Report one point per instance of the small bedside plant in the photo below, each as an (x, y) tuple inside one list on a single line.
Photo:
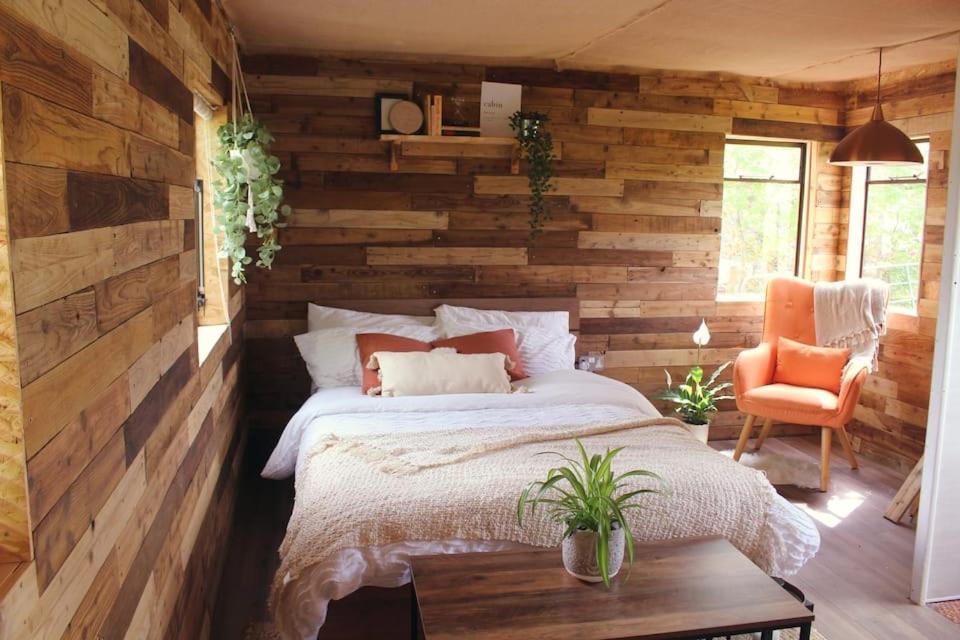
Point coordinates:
[(697, 399), (590, 501)]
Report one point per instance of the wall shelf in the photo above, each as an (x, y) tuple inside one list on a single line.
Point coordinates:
[(452, 146)]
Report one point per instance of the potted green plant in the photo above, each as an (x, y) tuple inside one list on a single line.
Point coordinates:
[(590, 500), (697, 399), (246, 194), (537, 143)]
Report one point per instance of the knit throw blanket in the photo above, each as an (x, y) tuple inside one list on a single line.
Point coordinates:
[(852, 314), (464, 483)]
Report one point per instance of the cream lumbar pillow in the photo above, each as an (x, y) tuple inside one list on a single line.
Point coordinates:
[(438, 372)]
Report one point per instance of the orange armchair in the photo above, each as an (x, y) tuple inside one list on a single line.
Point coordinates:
[(788, 313)]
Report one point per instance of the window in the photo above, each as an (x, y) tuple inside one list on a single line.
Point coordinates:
[(893, 214), (762, 200), (213, 303)]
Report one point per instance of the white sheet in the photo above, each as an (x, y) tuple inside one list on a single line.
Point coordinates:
[(346, 411)]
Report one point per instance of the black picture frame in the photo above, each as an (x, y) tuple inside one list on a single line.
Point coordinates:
[(379, 113)]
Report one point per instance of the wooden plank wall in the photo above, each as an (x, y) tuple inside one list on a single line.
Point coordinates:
[(891, 420), (131, 444), (634, 238)]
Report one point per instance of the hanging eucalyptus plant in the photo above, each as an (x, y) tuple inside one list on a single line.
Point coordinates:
[(247, 196), (537, 143)]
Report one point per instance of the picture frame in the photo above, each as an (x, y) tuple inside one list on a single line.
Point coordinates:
[(382, 104)]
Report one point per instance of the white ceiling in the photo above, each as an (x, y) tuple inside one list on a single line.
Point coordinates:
[(803, 40)]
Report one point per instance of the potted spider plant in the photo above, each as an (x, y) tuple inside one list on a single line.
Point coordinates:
[(696, 398), (590, 500)]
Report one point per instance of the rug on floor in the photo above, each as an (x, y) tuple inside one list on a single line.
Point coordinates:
[(265, 631), (781, 469), (949, 610)]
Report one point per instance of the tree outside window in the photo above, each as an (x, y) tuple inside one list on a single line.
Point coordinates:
[(894, 210), (762, 199)]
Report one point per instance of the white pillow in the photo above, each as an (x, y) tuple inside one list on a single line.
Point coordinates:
[(437, 372), (333, 359), (540, 350), (545, 321), (320, 317), (546, 352)]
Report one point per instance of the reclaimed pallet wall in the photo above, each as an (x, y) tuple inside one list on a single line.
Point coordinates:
[(634, 237), (130, 442), (890, 423)]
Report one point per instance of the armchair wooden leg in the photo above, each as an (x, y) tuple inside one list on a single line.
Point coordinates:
[(744, 436), (847, 447), (826, 435), (764, 432)]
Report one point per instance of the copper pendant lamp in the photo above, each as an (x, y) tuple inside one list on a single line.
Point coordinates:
[(877, 142)]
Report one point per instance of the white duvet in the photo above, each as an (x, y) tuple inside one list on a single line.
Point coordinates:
[(555, 398)]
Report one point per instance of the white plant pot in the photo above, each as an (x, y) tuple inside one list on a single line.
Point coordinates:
[(700, 431), (580, 554)]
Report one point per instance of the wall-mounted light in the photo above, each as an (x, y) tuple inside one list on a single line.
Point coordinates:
[(877, 142)]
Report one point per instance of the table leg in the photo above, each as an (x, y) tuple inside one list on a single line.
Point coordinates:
[(766, 634), (414, 614), (805, 631)]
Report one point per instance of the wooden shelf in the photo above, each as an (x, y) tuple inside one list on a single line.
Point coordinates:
[(452, 146)]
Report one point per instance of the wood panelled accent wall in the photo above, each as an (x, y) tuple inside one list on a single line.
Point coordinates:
[(130, 442), (890, 423), (635, 235)]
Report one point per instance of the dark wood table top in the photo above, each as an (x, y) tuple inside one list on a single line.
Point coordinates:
[(677, 588)]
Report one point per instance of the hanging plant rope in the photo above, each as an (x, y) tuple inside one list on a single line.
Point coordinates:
[(246, 195)]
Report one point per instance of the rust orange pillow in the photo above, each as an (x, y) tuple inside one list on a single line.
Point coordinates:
[(369, 343), (500, 341), (804, 365)]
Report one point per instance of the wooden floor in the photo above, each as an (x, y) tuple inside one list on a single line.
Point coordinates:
[(859, 580)]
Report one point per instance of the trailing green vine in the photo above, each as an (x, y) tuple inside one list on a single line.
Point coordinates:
[(537, 143), (247, 196)]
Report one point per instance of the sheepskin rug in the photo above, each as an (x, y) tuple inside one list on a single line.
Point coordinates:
[(781, 469)]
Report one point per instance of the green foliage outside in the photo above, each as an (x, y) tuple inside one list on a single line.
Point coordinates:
[(759, 218), (893, 230), (760, 222)]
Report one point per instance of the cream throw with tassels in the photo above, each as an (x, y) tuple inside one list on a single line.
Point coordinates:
[(463, 484), (852, 314)]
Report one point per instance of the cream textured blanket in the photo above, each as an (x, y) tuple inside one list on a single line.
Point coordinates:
[(852, 314), (373, 490)]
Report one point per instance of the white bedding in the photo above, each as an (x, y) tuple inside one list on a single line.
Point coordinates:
[(346, 411), (552, 398)]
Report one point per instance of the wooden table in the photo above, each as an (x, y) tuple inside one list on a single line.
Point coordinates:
[(693, 588)]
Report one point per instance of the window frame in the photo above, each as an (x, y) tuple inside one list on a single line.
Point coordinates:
[(802, 180), (864, 205), (198, 206)]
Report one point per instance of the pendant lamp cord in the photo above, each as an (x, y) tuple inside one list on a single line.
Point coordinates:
[(879, 68)]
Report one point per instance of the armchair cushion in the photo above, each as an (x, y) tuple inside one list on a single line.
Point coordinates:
[(804, 365), (793, 404)]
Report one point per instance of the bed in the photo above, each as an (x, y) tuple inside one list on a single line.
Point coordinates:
[(380, 479)]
